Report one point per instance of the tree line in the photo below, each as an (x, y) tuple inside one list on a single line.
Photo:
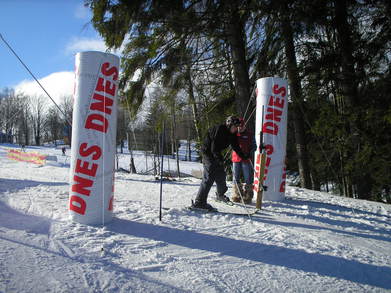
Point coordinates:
[(28, 120), (207, 55)]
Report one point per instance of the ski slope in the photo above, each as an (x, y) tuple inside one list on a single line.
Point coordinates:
[(311, 242)]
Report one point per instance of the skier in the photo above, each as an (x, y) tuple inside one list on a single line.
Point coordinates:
[(217, 139), (246, 141), (63, 149)]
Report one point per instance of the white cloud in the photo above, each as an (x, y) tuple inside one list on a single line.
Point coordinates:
[(85, 44), (58, 85), (78, 44)]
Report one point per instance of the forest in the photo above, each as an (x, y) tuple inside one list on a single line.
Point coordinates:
[(194, 62), (206, 56)]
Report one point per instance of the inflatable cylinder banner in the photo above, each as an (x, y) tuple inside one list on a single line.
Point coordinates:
[(94, 128), (272, 104)]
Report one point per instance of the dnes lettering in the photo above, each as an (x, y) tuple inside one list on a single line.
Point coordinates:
[(83, 178), (105, 90)]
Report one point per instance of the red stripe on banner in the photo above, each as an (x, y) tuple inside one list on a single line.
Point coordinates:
[(27, 157)]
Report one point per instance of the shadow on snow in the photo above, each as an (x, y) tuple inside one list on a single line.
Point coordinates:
[(12, 185), (325, 265), (272, 221), (320, 212), (15, 220)]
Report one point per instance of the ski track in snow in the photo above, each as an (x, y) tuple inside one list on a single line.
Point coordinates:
[(311, 242)]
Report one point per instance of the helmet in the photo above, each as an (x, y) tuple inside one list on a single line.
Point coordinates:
[(232, 121)]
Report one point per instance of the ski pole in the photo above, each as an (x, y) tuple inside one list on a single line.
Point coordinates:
[(161, 173), (241, 197)]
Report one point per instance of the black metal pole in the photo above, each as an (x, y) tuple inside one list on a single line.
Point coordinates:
[(161, 171)]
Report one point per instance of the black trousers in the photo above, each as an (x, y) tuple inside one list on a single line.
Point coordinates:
[(213, 172)]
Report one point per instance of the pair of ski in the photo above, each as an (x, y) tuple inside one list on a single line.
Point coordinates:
[(228, 208), (240, 209)]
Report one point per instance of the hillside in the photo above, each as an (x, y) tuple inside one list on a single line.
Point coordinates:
[(311, 242)]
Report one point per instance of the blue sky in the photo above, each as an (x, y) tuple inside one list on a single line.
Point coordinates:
[(46, 34)]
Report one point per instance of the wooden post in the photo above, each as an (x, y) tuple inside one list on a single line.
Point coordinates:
[(260, 186), (260, 162)]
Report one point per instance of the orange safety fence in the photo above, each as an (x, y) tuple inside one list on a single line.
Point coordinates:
[(30, 157)]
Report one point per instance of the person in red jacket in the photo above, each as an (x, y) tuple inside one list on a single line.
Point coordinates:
[(217, 139), (246, 141)]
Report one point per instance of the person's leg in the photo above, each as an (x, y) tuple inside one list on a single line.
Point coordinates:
[(220, 177), (206, 184), (237, 188), (236, 171), (247, 170)]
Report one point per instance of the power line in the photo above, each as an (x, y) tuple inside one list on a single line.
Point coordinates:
[(25, 66)]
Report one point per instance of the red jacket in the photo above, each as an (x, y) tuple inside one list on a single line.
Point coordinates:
[(246, 141)]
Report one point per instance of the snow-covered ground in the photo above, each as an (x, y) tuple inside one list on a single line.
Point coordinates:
[(311, 242)]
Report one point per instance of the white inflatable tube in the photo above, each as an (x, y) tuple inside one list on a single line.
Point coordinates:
[(272, 96), (94, 128)]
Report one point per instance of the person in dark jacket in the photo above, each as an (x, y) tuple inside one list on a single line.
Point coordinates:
[(217, 139), (246, 141)]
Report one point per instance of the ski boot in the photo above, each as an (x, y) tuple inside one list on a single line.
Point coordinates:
[(248, 197), (224, 199), (202, 206), (237, 192)]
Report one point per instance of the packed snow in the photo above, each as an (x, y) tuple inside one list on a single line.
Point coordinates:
[(310, 242)]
